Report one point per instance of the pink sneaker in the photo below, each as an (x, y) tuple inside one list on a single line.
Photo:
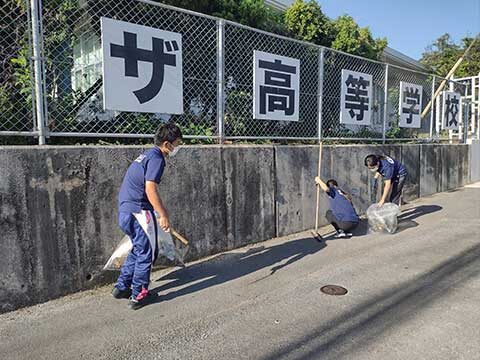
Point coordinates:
[(140, 300)]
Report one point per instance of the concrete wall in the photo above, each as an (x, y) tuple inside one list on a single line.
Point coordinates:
[(475, 161), (58, 220)]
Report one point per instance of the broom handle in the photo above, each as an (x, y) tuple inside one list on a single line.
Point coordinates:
[(179, 237), (317, 213)]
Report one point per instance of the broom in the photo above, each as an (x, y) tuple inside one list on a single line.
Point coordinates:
[(315, 233)]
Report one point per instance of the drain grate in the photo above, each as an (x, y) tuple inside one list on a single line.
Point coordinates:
[(333, 290)]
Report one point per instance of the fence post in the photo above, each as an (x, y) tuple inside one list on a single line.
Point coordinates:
[(220, 79), (472, 107), (385, 101), (450, 132), (36, 9), (478, 108), (320, 91), (466, 122), (438, 115), (432, 108)]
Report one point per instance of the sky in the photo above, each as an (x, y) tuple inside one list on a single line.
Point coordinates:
[(410, 25)]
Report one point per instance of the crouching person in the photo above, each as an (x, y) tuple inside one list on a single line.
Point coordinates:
[(139, 206), (342, 214)]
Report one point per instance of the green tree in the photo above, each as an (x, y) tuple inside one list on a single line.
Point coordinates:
[(352, 39), (444, 53), (252, 13), (306, 21)]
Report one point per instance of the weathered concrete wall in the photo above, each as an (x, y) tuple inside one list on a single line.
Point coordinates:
[(431, 169), (411, 159), (58, 217), (57, 220), (249, 180), (296, 168), (443, 167)]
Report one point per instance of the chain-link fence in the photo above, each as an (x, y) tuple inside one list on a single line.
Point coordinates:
[(74, 72), (334, 63), (218, 79), (16, 80), (240, 43), (395, 77)]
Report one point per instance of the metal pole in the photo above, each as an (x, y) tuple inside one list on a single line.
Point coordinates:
[(385, 100), (44, 77), (465, 127), (450, 132), (36, 8), (461, 121), (30, 68), (438, 115), (478, 108), (320, 91), (220, 79), (432, 109), (472, 108)]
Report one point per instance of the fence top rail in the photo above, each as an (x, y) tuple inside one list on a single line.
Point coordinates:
[(123, 135), (412, 71), (283, 37), (467, 78), (302, 42), (174, 8), (438, 77)]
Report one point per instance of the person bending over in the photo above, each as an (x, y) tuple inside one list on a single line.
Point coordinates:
[(342, 214)]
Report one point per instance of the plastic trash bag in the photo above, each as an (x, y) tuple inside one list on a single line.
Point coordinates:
[(166, 247), (119, 255), (383, 218)]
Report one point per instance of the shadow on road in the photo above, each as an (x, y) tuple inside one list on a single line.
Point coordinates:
[(406, 219), (418, 211), (231, 266), (367, 321)]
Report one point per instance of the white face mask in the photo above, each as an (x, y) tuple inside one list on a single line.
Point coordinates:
[(173, 152), (374, 169)]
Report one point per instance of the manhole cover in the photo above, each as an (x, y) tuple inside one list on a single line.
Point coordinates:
[(333, 290)]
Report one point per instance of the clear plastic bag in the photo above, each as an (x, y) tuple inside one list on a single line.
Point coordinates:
[(383, 218), (119, 255), (166, 247)]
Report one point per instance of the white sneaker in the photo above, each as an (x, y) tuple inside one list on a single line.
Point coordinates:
[(342, 234)]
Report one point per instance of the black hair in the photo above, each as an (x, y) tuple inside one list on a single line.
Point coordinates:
[(167, 132), (373, 160), (331, 183)]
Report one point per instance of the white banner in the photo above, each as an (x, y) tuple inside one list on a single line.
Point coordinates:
[(410, 105), (356, 98), (451, 110), (276, 87), (142, 68)]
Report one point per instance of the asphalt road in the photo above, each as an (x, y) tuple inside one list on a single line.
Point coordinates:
[(411, 295)]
